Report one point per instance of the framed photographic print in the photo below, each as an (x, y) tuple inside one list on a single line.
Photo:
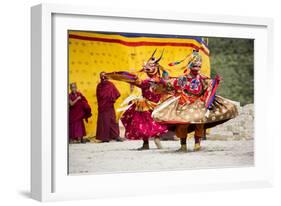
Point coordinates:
[(133, 102)]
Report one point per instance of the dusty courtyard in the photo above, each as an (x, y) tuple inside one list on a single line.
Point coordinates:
[(124, 157)]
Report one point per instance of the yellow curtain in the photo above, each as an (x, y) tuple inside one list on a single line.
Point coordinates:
[(92, 52)]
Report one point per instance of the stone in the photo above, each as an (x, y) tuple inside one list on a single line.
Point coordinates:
[(239, 128)]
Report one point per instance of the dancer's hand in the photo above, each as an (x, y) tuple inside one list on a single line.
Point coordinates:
[(218, 78)]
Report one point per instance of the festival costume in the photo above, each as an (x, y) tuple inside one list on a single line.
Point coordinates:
[(195, 105), (137, 118)]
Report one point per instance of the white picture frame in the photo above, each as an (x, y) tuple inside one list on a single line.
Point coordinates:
[(49, 178)]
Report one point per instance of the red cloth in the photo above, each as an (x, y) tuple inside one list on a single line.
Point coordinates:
[(79, 111), (107, 127), (140, 124), (106, 95), (77, 130)]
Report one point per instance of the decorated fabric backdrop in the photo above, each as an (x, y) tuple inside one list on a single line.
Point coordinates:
[(93, 52)]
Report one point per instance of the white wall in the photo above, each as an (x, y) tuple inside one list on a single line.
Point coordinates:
[(15, 95)]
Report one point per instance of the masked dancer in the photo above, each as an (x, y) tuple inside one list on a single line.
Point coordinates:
[(195, 105), (137, 118)]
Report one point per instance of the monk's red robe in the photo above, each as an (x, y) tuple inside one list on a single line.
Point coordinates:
[(107, 127), (79, 111)]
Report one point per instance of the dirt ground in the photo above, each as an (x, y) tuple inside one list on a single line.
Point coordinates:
[(115, 157)]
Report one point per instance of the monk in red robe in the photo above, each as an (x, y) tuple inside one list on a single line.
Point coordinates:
[(107, 127), (79, 110)]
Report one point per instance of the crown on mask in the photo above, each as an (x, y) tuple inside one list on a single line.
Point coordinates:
[(194, 59)]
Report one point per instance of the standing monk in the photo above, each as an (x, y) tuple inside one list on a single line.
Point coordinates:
[(79, 109), (107, 126)]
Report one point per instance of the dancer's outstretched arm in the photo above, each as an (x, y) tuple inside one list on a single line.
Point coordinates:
[(124, 77)]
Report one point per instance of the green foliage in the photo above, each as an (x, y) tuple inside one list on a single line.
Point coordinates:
[(233, 60)]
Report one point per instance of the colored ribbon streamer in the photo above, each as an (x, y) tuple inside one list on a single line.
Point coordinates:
[(213, 94)]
